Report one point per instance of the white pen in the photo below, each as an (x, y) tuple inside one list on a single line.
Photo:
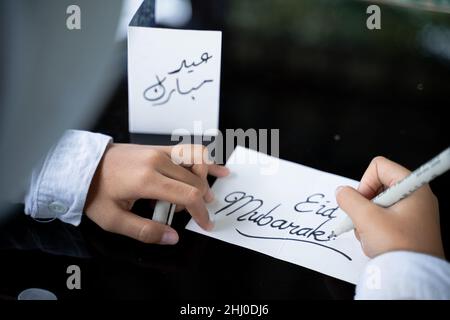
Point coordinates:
[(163, 212), (424, 174)]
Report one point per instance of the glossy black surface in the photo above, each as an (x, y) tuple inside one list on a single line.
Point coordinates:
[(340, 95)]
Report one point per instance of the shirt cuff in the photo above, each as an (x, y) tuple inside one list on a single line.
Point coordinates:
[(405, 275), (59, 185)]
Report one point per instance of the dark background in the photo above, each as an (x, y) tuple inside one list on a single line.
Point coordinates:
[(339, 93)]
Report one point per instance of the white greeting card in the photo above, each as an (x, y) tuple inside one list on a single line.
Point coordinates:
[(288, 214), (173, 79)]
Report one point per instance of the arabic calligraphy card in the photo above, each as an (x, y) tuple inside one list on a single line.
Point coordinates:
[(284, 210), (173, 79)]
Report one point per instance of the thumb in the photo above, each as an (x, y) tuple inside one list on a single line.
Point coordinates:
[(144, 230), (361, 211)]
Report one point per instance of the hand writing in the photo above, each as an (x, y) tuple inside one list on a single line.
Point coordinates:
[(411, 224), (131, 172)]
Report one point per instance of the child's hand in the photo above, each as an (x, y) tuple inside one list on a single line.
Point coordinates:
[(131, 172), (411, 224)]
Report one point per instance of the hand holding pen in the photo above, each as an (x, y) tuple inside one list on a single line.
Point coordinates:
[(411, 224)]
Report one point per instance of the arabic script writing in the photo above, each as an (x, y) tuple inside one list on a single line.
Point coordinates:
[(163, 89)]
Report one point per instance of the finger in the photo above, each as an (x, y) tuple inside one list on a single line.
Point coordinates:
[(179, 208), (190, 154), (176, 172), (165, 149), (357, 235), (201, 170), (141, 229), (180, 193), (361, 211), (218, 171), (197, 209), (381, 173)]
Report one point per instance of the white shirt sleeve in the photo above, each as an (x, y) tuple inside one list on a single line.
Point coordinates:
[(405, 275), (59, 185)]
